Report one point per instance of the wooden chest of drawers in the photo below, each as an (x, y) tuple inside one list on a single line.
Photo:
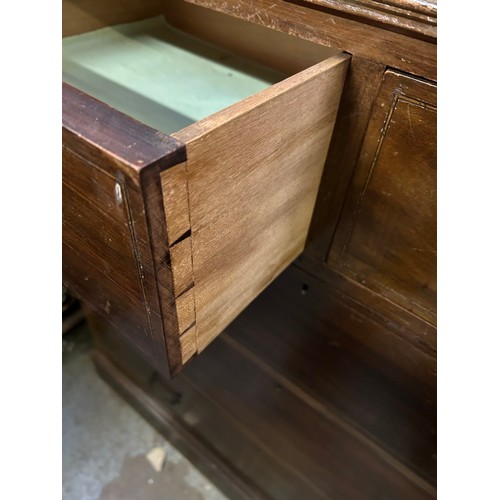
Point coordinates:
[(312, 256)]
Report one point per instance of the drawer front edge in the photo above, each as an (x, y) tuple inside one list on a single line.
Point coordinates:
[(115, 248)]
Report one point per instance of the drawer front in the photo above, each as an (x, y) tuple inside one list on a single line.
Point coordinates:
[(189, 229), (386, 238), (108, 256)]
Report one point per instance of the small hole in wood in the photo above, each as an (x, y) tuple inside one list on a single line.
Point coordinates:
[(305, 288)]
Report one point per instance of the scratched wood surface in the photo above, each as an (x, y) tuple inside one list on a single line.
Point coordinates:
[(418, 16), (360, 90), (253, 171), (113, 234), (386, 238), (270, 47), (337, 30)]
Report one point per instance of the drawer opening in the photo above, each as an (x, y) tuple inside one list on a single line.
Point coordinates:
[(250, 112)]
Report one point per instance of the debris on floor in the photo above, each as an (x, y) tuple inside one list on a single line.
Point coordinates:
[(156, 457)]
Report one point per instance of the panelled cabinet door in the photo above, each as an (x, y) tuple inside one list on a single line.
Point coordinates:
[(386, 239)]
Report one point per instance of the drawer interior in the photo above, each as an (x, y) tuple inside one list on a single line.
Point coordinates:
[(169, 63), (159, 75)]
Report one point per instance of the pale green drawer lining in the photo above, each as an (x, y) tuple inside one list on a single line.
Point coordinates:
[(159, 75)]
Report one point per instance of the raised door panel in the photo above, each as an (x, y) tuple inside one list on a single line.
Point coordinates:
[(386, 238)]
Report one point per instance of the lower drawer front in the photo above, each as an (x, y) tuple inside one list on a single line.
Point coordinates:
[(189, 229)]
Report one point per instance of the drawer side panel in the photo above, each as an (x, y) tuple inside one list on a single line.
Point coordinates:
[(253, 174)]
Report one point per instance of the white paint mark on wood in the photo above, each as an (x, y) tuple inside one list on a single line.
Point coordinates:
[(409, 123), (118, 194)]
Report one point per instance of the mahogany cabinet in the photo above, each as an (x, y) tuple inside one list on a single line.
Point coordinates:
[(265, 234)]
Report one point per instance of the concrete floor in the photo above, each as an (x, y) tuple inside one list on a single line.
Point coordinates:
[(105, 442)]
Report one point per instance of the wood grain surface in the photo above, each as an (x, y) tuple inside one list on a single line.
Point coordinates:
[(324, 27), (324, 346), (324, 386), (253, 172), (114, 237), (418, 16), (309, 413), (399, 289), (386, 239), (360, 90), (267, 46), (175, 196), (412, 342), (80, 16)]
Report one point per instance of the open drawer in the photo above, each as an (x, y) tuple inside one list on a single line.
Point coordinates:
[(190, 172)]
